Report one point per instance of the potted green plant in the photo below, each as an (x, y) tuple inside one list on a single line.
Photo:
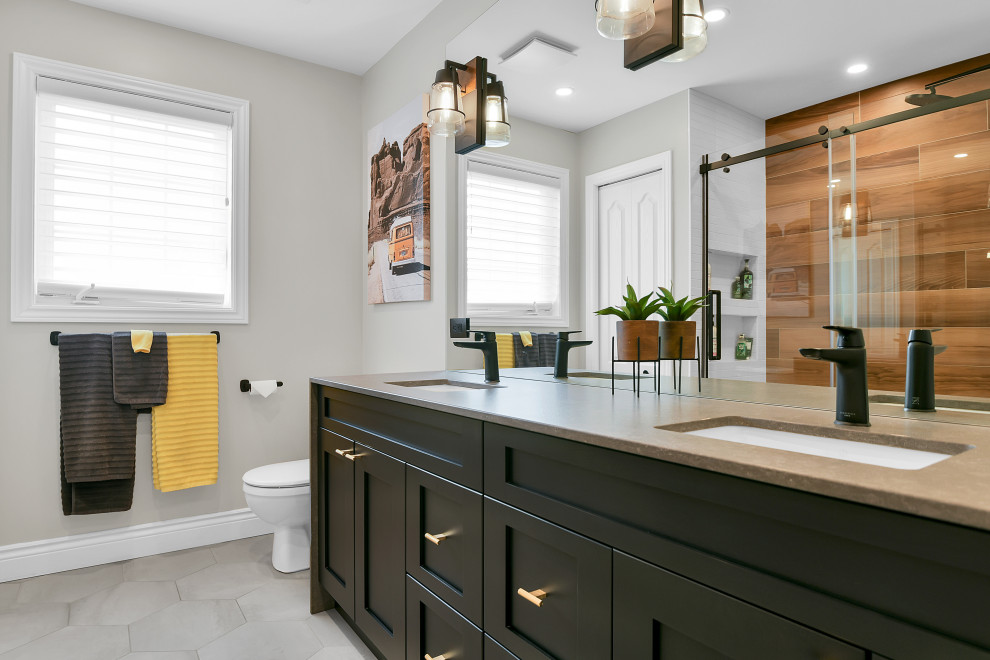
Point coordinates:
[(636, 336), (676, 325)]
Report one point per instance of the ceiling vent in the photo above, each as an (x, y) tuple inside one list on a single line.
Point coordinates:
[(538, 55)]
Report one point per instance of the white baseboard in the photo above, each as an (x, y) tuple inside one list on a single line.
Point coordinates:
[(22, 560)]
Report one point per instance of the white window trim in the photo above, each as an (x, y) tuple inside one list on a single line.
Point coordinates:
[(523, 321), (23, 307)]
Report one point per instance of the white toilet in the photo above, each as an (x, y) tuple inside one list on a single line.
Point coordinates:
[(279, 494)]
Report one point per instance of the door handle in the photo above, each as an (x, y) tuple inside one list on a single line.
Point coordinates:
[(442, 656), (715, 324), (536, 597), (354, 457), (436, 538), (344, 452)]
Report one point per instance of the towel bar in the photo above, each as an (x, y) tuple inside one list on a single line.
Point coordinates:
[(246, 385), (53, 337)]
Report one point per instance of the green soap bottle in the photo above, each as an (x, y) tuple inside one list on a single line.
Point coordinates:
[(746, 278), (741, 347), (736, 289)]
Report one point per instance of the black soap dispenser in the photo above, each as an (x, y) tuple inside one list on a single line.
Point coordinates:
[(919, 383)]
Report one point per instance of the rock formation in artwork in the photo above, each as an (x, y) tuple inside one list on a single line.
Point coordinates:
[(400, 183)]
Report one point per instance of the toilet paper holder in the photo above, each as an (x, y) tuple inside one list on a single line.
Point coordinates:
[(246, 385)]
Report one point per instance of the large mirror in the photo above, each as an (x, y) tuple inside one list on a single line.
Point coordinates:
[(885, 227)]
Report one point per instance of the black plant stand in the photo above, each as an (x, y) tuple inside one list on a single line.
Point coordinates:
[(637, 373), (679, 363)]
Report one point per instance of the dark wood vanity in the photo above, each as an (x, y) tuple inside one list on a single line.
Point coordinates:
[(451, 535)]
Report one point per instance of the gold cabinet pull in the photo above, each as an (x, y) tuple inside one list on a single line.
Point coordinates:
[(435, 657), (343, 452), (353, 457), (436, 538), (536, 597)]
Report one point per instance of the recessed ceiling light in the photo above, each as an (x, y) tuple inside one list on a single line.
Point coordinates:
[(857, 68), (565, 91), (960, 155), (717, 14)]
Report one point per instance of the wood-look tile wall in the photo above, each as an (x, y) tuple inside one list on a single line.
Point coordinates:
[(922, 233)]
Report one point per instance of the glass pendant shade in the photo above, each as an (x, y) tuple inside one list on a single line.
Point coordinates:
[(497, 131), (446, 115), (694, 31), (624, 19)]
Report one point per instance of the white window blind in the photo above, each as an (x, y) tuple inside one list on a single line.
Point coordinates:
[(512, 245), (132, 195)]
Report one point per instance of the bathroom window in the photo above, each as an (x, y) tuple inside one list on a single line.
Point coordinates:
[(129, 199), (513, 241)]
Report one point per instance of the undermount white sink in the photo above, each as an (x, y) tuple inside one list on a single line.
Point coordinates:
[(444, 385), (869, 449)]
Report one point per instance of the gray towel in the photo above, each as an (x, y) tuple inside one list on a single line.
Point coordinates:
[(97, 433), (526, 356), (140, 380), (547, 341)]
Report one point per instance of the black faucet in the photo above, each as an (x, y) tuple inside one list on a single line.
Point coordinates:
[(485, 342), (564, 346), (852, 403), (919, 383)]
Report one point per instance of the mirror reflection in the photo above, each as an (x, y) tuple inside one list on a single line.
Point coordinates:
[(884, 226)]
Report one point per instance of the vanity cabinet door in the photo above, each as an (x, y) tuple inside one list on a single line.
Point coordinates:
[(380, 574), (335, 530), (435, 630), (444, 540), (658, 614), (547, 590)]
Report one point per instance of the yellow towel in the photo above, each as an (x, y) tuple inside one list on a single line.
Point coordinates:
[(506, 351), (185, 431), (527, 338), (141, 340)]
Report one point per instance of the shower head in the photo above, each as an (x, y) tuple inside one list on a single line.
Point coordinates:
[(926, 99)]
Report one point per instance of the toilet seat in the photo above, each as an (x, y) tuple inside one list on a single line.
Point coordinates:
[(288, 475)]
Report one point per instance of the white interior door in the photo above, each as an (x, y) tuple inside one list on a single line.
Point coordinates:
[(633, 246)]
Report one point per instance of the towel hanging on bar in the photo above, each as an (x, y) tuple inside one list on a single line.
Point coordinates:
[(140, 380), (97, 435), (185, 431)]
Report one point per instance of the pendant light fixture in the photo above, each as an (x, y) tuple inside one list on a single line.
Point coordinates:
[(468, 104), (496, 116), (624, 19), (694, 31), (446, 115)]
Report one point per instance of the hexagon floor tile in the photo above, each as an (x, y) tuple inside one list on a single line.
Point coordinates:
[(222, 581), (264, 640), (84, 614), (185, 626), (122, 604), (70, 585), (170, 566)]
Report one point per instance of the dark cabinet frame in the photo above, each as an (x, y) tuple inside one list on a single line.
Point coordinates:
[(464, 548)]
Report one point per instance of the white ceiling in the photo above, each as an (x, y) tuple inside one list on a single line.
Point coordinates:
[(767, 58), (350, 35)]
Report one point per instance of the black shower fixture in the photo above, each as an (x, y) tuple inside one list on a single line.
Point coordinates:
[(932, 97)]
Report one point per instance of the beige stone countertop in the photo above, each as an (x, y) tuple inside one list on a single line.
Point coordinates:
[(954, 490)]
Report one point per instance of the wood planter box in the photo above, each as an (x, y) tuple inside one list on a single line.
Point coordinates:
[(626, 335), (671, 333)]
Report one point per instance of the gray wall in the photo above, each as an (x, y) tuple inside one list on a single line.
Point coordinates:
[(305, 292), (653, 129)]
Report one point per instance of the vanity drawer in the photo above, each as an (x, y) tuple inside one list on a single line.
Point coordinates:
[(441, 443), (547, 590), (444, 540), (436, 631), (495, 651), (658, 614)]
